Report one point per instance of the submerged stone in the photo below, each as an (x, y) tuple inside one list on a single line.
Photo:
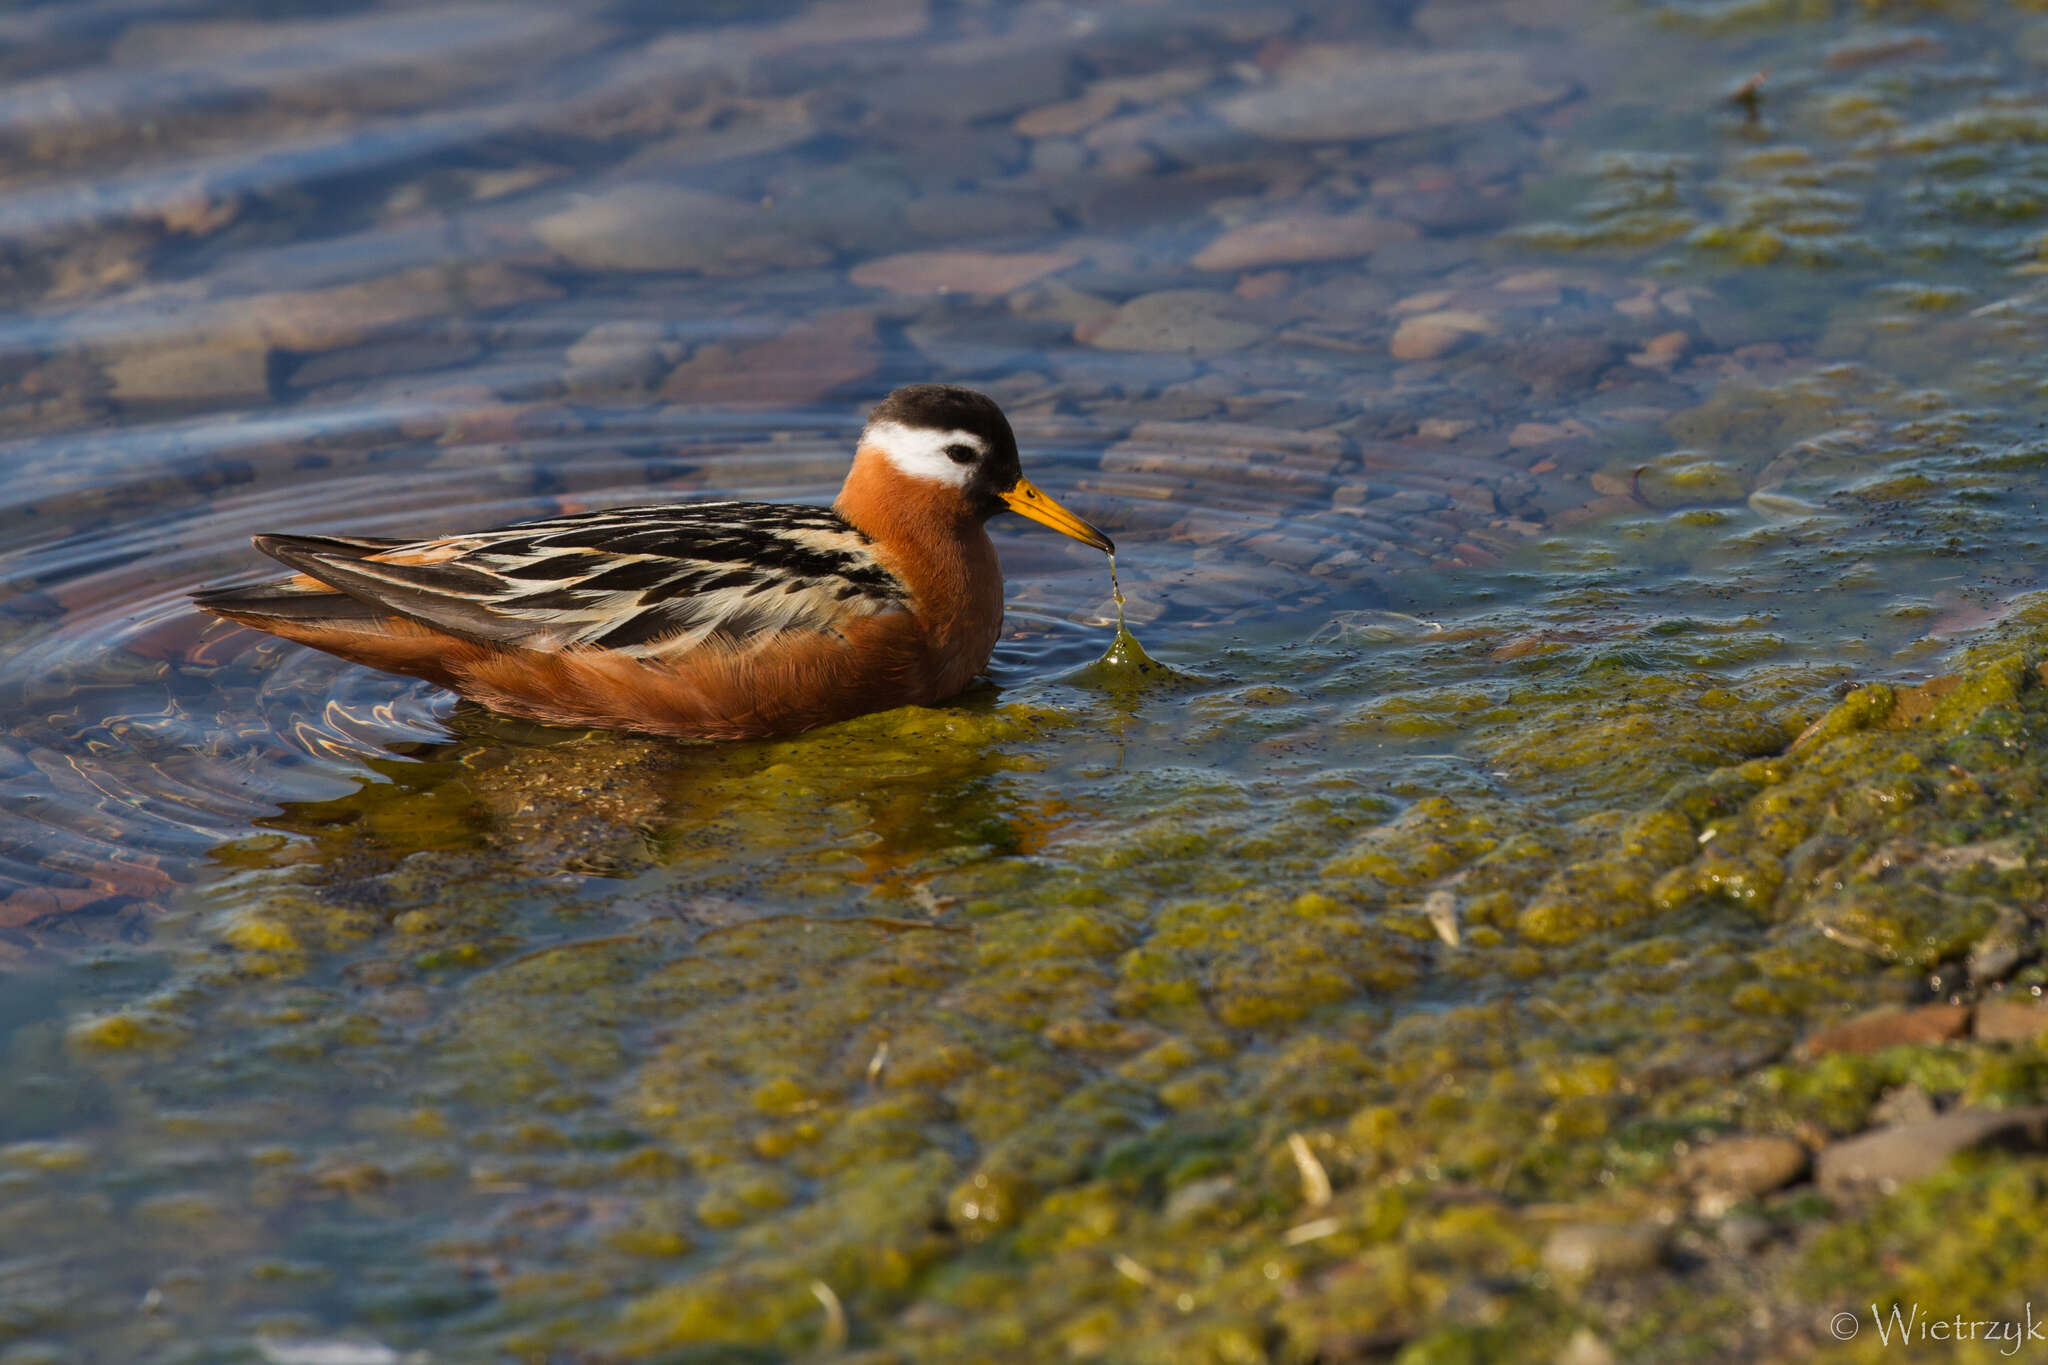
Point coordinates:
[(1185, 321), (1340, 92), (1584, 1254), (1889, 1156), (653, 227)]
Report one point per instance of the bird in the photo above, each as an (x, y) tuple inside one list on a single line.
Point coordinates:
[(714, 620)]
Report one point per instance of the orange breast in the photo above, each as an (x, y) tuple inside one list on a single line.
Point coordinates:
[(932, 540), (795, 682)]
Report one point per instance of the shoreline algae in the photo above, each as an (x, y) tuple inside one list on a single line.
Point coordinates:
[(986, 1127)]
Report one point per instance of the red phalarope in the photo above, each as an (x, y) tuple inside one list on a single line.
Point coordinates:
[(718, 620)]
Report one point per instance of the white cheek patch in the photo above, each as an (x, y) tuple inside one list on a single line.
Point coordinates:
[(920, 452)]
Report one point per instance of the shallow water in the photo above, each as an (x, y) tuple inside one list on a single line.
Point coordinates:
[(1498, 425)]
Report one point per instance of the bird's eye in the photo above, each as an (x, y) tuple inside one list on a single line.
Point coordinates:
[(961, 453)]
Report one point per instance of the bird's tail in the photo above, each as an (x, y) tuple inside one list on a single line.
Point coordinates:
[(300, 598)]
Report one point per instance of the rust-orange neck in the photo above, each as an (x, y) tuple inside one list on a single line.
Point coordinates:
[(900, 513), (929, 535)]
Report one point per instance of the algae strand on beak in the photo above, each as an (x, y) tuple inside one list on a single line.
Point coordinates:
[(1124, 652)]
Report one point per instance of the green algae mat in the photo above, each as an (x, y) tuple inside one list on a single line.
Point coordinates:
[(1542, 859), (1364, 1086)]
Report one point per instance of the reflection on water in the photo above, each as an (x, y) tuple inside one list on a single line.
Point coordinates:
[(859, 806), (1471, 390)]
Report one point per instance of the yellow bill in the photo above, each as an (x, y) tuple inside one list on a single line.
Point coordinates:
[(1026, 500)]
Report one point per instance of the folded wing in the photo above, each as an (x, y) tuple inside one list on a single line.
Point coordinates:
[(644, 581)]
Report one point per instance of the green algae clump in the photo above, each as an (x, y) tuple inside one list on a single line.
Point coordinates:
[(1125, 668)]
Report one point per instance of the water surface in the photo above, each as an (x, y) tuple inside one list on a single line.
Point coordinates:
[(1497, 423)]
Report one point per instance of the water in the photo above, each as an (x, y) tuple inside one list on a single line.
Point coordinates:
[(1471, 393)]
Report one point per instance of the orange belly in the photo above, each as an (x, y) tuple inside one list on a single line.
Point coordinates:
[(792, 683)]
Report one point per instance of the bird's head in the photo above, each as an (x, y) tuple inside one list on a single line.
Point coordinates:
[(959, 439)]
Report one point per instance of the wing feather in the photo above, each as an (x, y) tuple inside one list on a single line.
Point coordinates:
[(646, 581)]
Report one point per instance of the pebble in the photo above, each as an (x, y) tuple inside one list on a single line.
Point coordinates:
[(1526, 434), (1440, 908), (1239, 443), (1889, 1156), (1584, 1347), (1901, 1104), (1156, 85), (836, 23), (1772, 506), (1727, 1172), (100, 262), (1344, 299), (221, 368), (1580, 1253), (960, 272), (282, 1350), (1130, 132), (198, 211), (1871, 49), (381, 58), (342, 315), (2010, 1021), (1187, 321), (1662, 351), (623, 354), (1343, 92), (656, 227), (975, 343), (1889, 1028), (1132, 197), (969, 80), (1598, 509), (749, 131), (1429, 301), (1425, 336), (1544, 280), (963, 216), (1993, 957), (1299, 238), (1562, 364), (1451, 209), (411, 351), (1056, 158), (1263, 284), (1744, 1233), (1067, 117), (1193, 1203), (855, 209), (1063, 302), (807, 362)]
